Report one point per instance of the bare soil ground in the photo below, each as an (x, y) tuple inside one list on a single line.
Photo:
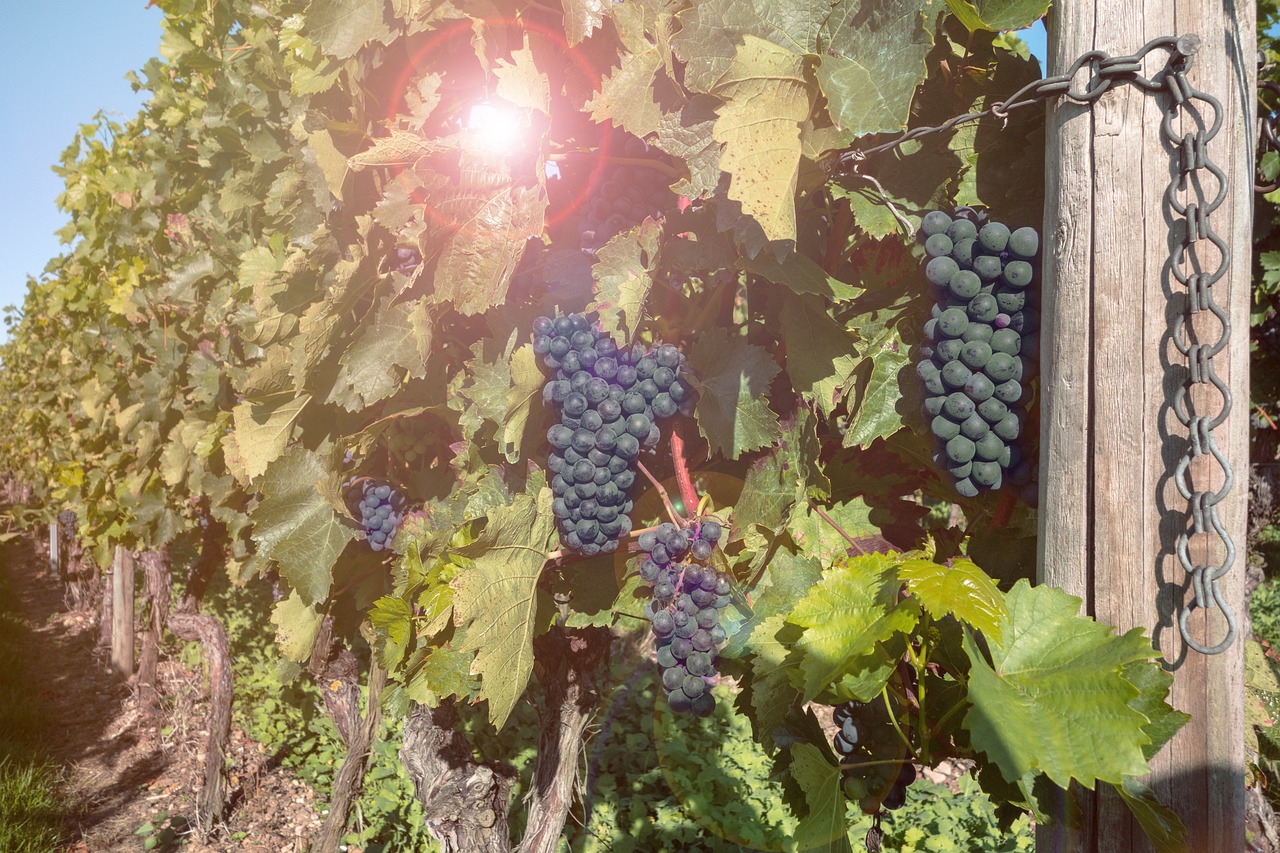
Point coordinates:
[(131, 777)]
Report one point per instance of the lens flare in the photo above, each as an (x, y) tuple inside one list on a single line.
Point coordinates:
[(495, 129)]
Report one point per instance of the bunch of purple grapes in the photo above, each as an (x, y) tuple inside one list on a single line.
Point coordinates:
[(980, 349), (685, 609), (626, 194), (381, 510), (878, 775), (609, 400)]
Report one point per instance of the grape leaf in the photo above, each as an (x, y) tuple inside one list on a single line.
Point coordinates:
[(732, 378), (771, 644), (854, 607), (1054, 698), (766, 97), (496, 599), (437, 672), (821, 356), (874, 61), (401, 148), (296, 525), (581, 17), (803, 275), (623, 278), (263, 429), (961, 590), (342, 27), (786, 474), (823, 827), (816, 537), (1161, 824), (527, 380), (369, 368), (873, 413), (626, 96), (521, 82), (477, 261), (998, 15), (392, 621), (297, 625), (1163, 721), (711, 31)]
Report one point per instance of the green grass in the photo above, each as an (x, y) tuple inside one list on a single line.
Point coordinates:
[(32, 811)]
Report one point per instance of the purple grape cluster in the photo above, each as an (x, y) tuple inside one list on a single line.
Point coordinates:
[(609, 401), (381, 510), (684, 610), (878, 776), (980, 348), (625, 195)]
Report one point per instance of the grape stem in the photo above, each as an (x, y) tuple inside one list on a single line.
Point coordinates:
[(884, 694), (687, 492), (662, 493)]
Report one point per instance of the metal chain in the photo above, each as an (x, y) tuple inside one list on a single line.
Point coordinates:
[(1190, 224)]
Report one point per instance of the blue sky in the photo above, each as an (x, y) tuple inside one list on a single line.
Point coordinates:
[(63, 60)]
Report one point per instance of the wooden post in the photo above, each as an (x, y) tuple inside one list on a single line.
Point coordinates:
[(122, 612), (1109, 510), (54, 562)]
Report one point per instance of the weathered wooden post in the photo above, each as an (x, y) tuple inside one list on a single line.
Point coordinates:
[(1111, 513), (122, 612)]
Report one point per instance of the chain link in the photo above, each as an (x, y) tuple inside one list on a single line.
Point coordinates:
[(1204, 184)]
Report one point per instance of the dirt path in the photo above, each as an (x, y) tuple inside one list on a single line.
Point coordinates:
[(128, 776)]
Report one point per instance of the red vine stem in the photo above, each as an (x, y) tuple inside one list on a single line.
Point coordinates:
[(687, 492)]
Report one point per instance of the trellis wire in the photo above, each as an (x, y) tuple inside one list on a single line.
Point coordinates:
[(1192, 232)]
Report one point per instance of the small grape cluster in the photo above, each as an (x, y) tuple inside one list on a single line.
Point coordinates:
[(685, 609), (381, 510), (867, 738), (404, 445), (609, 400), (980, 348), (625, 195)]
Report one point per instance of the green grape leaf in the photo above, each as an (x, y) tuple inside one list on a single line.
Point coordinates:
[(854, 607), (623, 278), (784, 475), (787, 578), (523, 396), (522, 83), (297, 526), (821, 356), (1054, 699), (961, 590), (496, 599), (626, 96), (803, 275), (342, 27), (874, 410), (383, 351), (687, 134), (297, 625), (582, 17), (1163, 827), (816, 537), (874, 61), (475, 266), (392, 621), (998, 15), (711, 32), (401, 148), (771, 645), (437, 672), (766, 97), (823, 827), (262, 431), (732, 378), (1163, 721)]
